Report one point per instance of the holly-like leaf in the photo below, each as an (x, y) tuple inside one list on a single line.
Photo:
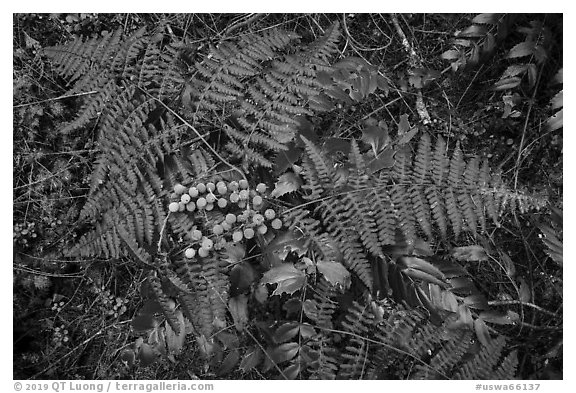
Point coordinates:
[(472, 253), (287, 183), (375, 136), (144, 322), (473, 31), (288, 278), (477, 301), (421, 264), (334, 273), (451, 54), (556, 121)]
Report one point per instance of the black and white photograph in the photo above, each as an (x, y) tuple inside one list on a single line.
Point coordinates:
[(200, 197)]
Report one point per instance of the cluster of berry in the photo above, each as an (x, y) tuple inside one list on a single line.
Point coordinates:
[(228, 198)]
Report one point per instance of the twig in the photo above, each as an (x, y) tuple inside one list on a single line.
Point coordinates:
[(248, 20), (54, 99), (534, 306), (414, 62)]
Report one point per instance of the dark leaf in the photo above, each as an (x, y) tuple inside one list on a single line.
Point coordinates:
[(522, 49), (287, 183), (144, 322), (486, 19), (334, 272), (239, 309), (286, 332), (288, 278), (482, 332), (283, 352), (477, 301), (229, 362), (146, 355), (473, 31), (251, 360), (291, 372)]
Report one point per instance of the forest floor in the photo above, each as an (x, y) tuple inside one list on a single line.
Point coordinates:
[(72, 317)]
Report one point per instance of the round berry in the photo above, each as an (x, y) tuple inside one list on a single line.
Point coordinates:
[(234, 197), (262, 229), (201, 203), (210, 187), (190, 253), (261, 187), (193, 192), (179, 189), (226, 226), (210, 198), (243, 184), (203, 252), (257, 200), (222, 190), (230, 218), (269, 214), (241, 217), (276, 223), (207, 243), (191, 206), (173, 207), (237, 236), (217, 230), (181, 206), (185, 198), (248, 233), (222, 203), (209, 206), (174, 196), (257, 219), (233, 185), (242, 204), (201, 188), (196, 234), (243, 195)]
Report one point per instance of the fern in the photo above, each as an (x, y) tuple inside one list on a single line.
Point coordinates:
[(262, 89)]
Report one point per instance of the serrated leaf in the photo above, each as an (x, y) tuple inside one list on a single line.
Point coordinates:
[(291, 372), (556, 121), (507, 83), (310, 309), (228, 340), (486, 19), (175, 342), (283, 352), (558, 100), (522, 49), (229, 362), (472, 253), (287, 183), (334, 272), (482, 332), (462, 285), (306, 331), (286, 158), (514, 70), (288, 278), (251, 360), (286, 332), (239, 309)]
